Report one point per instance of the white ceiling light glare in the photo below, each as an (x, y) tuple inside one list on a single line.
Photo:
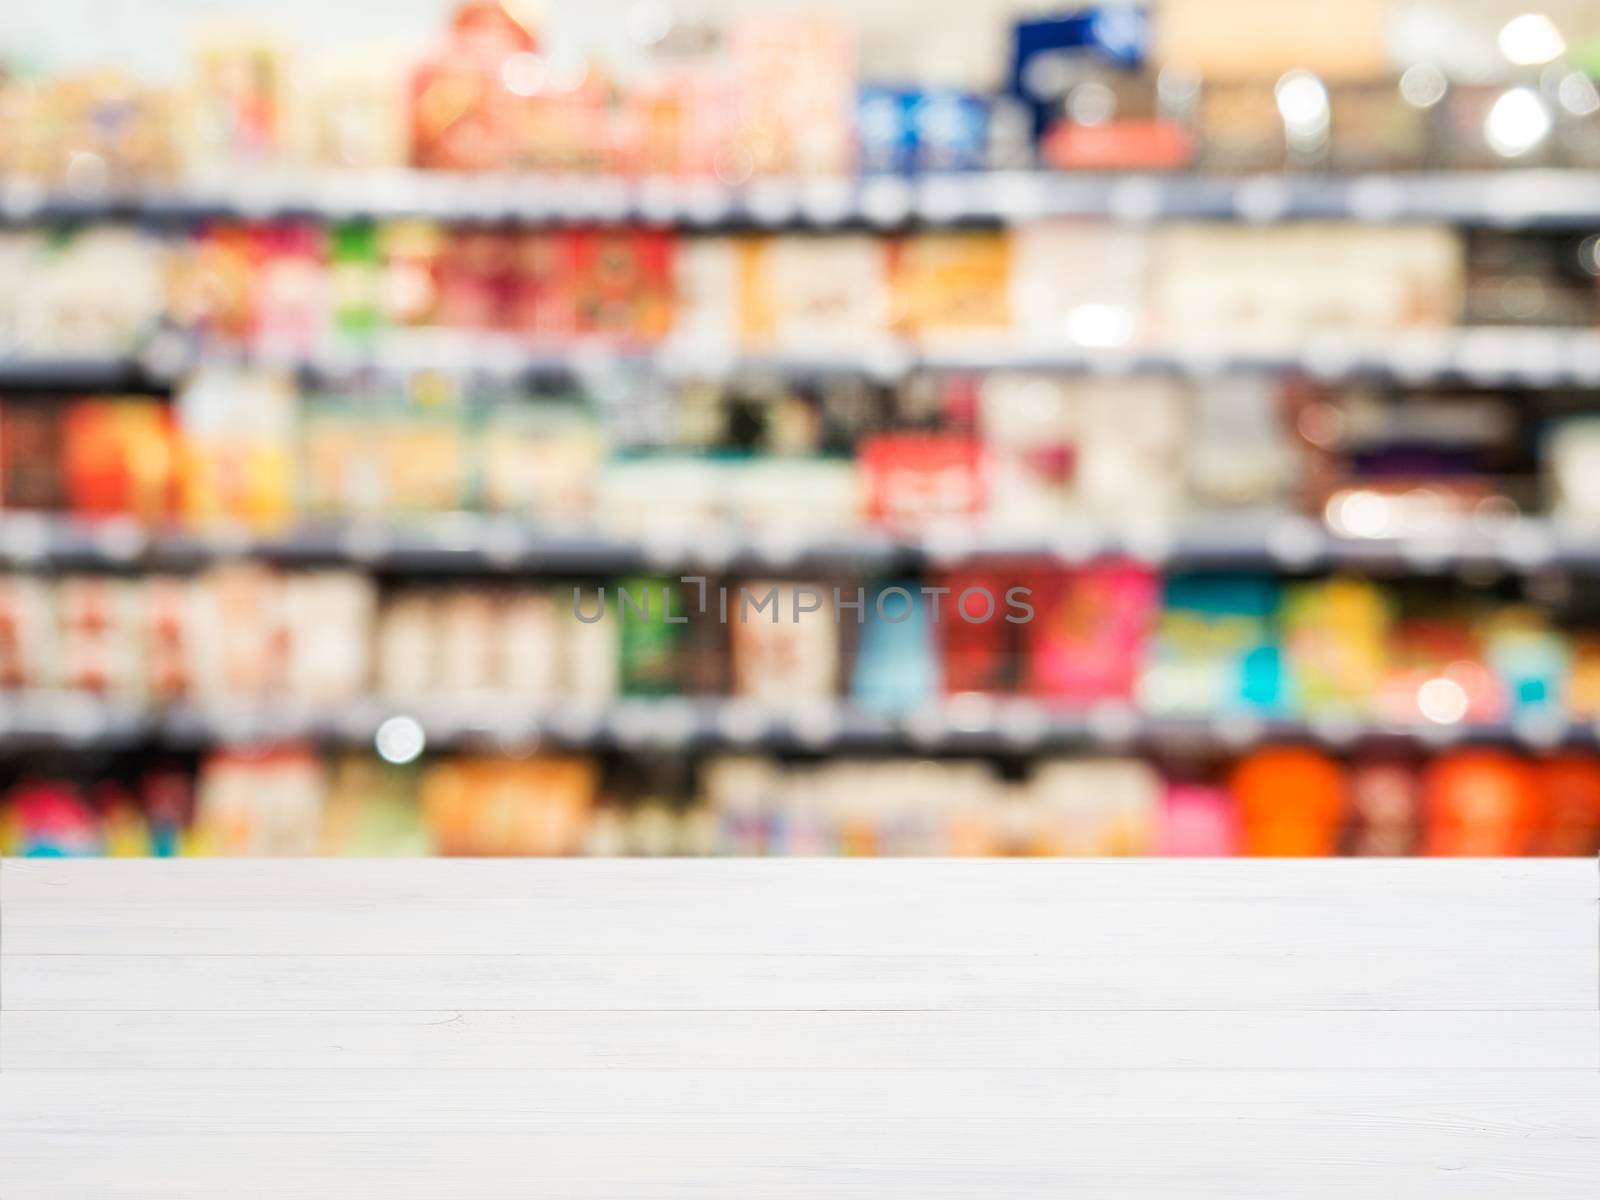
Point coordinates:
[(1361, 514), (400, 740), (1101, 326), (1091, 104), (1303, 105), (1531, 39), (1517, 122), (1577, 94), (1589, 254), (1423, 85), (523, 74), (1442, 701), (566, 70), (648, 21)]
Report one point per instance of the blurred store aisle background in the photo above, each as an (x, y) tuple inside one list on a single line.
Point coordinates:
[(675, 427)]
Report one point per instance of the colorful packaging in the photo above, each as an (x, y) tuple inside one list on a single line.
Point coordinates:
[(98, 644), (1570, 786), (815, 293), (259, 802), (953, 286), (913, 479), (897, 665), (1530, 659), (623, 283), (787, 653), (1335, 638), (489, 806), (1098, 807), (1291, 802), (1385, 808), (118, 459), (1481, 802), (463, 117), (977, 654), (1198, 821), (1215, 648), (1088, 632), (795, 79), (651, 613), (235, 104), (30, 454), (237, 431), (372, 810)]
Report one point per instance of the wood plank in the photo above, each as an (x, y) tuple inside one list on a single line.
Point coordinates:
[(605, 1039), (1312, 976), (474, 1030), (1147, 1160), (1015, 882), (698, 916), (1532, 1104)]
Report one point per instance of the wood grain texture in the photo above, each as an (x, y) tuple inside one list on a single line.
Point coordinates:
[(798, 1029)]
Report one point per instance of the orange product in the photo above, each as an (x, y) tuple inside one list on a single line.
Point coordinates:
[(1481, 802), (236, 447), (1569, 787), (1291, 801), (119, 458), (481, 806), (463, 116), (947, 285)]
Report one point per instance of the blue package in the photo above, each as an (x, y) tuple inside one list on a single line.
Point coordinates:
[(903, 129), (952, 130), (897, 668), (1116, 36), (886, 130)]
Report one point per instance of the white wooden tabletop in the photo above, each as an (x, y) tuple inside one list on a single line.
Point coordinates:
[(799, 1029)]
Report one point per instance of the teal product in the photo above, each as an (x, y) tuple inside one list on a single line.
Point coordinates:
[(897, 668)]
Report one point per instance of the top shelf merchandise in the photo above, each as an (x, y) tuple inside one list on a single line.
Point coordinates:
[(793, 117)]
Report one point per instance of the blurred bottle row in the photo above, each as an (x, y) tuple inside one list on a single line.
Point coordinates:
[(298, 290), (1000, 457), (1275, 801), (1113, 634), (771, 92)]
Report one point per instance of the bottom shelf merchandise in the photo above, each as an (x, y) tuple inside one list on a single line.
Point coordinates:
[(1276, 800)]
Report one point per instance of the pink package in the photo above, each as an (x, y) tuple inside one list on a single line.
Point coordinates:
[(1198, 821), (1088, 633)]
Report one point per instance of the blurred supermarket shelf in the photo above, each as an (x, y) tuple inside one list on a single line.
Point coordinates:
[(1561, 198), (470, 543), (111, 373), (1483, 355), (978, 724)]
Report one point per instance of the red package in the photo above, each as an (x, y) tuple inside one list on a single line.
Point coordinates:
[(623, 283), (980, 649), (475, 274), (914, 478), (1127, 145), (543, 289), (291, 304)]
